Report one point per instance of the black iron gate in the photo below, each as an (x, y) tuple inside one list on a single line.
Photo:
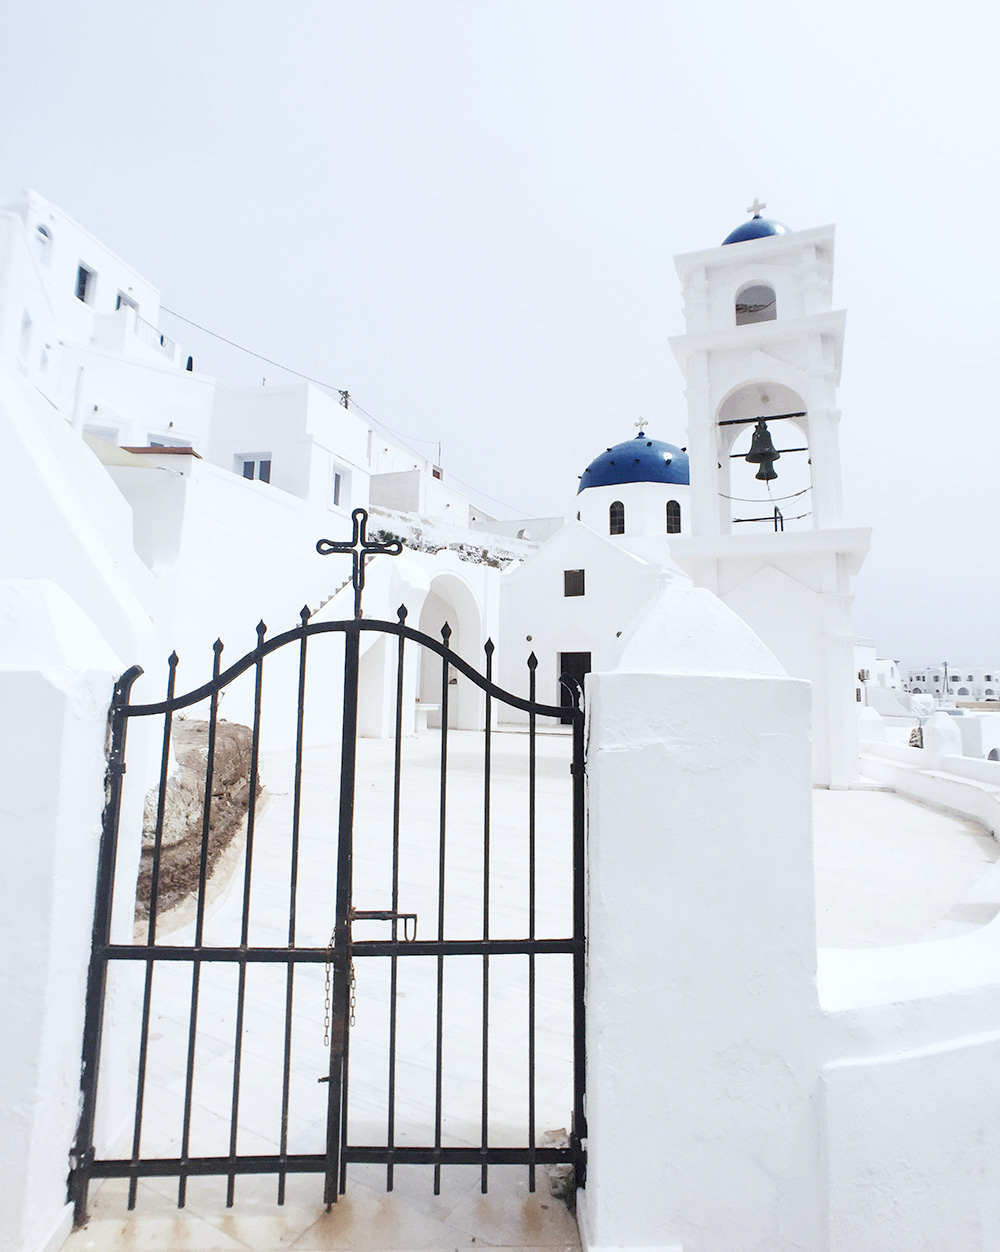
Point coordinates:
[(198, 959)]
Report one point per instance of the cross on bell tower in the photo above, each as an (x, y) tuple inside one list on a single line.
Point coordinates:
[(757, 206)]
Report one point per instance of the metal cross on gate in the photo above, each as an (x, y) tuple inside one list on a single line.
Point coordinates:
[(361, 549)]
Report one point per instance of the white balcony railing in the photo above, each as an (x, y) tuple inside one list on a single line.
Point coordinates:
[(148, 333)]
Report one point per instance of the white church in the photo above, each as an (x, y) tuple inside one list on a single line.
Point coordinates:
[(744, 1088)]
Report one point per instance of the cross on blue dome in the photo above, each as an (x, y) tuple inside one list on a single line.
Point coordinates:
[(638, 460), (757, 228)]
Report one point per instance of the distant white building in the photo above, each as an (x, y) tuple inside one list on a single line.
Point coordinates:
[(959, 682)]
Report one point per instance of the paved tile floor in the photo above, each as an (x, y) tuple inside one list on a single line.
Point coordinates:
[(888, 871)]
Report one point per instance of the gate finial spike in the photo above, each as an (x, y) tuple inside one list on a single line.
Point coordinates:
[(173, 659), (218, 646), (532, 661), (488, 647), (446, 632), (304, 614), (401, 613), (261, 629)]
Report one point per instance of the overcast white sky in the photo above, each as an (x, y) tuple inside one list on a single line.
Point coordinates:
[(466, 214)]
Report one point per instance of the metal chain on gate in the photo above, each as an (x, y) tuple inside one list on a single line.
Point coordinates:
[(328, 991)]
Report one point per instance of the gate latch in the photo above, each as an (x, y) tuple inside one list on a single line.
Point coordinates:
[(386, 915)]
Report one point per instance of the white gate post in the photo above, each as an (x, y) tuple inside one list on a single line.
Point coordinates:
[(702, 1013), (56, 679)]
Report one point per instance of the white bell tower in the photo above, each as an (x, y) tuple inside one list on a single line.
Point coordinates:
[(763, 341)]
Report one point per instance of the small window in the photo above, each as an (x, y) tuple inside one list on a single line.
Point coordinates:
[(616, 516), (756, 303), (108, 433), (336, 489), (673, 517), (43, 243), (573, 582), (436, 471), (256, 467), (968, 678), (129, 303), (989, 678), (955, 678), (86, 281), (24, 344)]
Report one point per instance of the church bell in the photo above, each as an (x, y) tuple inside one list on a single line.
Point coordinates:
[(763, 452)]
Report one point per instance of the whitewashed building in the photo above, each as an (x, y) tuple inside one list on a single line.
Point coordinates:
[(954, 681)]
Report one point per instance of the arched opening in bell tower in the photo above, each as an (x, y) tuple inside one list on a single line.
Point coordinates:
[(756, 302), (750, 498)]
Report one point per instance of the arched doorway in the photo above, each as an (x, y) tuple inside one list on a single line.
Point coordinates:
[(450, 599)]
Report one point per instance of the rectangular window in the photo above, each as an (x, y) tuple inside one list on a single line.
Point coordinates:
[(24, 345), (573, 582), (129, 303), (336, 488), (255, 465), (86, 280)]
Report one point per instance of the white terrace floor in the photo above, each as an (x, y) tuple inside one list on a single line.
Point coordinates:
[(888, 871)]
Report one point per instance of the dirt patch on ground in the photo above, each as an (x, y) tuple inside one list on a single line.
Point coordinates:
[(183, 819)]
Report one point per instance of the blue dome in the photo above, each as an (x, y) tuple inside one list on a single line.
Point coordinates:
[(756, 228), (638, 460)]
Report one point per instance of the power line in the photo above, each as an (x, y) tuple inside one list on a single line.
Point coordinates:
[(318, 382)]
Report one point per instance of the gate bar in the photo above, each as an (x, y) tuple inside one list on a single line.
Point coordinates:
[(335, 1134), (154, 887), (199, 928), (82, 1157), (487, 767), (293, 889), (446, 636)]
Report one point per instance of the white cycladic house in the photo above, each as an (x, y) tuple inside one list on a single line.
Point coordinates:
[(82, 326), (954, 681), (764, 342)]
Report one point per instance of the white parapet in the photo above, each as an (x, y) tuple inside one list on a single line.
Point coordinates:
[(56, 678), (703, 1019)]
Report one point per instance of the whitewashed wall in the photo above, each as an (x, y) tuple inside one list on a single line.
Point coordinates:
[(645, 509), (702, 1056), (533, 603), (56, 678)]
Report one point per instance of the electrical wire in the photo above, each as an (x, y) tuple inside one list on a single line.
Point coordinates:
[(773, 499), (351, 402)]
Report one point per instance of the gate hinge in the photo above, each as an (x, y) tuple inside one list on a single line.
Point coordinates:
[(80, 1160)]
